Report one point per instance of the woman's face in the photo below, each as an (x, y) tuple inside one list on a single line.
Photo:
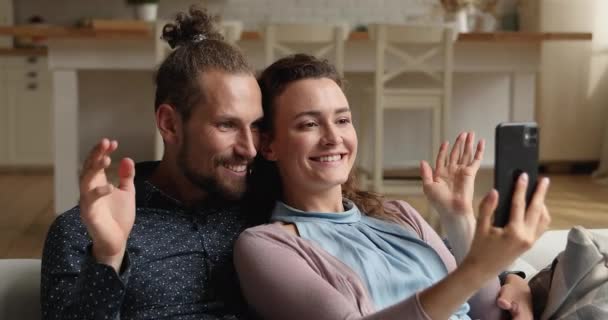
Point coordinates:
[(314, 142)]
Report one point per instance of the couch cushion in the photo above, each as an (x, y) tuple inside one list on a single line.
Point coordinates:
[(20, 289)]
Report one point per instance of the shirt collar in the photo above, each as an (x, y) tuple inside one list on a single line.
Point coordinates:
[(285, 213)]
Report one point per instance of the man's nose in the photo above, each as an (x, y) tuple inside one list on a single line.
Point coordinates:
[(245, 145)]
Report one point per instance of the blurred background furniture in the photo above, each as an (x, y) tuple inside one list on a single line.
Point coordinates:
[(423, 52), (285, 39), (550, 244), (20, 289)]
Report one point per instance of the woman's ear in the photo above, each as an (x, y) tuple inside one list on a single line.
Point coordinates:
[(267, 147), (168, 123)]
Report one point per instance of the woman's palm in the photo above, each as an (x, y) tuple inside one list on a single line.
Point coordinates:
[(450, 187)]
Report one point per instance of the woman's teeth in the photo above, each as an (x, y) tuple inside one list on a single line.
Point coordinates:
[(330, 158)]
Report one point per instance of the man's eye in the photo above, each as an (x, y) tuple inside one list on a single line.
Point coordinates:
[(226, 125), (256, 126), (344, 121)]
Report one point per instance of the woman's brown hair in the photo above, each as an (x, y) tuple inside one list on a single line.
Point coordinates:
[(273, 81)]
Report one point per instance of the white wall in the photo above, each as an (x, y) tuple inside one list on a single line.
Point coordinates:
[(598, 80), (570, 117), (251, 12), (117, 105)]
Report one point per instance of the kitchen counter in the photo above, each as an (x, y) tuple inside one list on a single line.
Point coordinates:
[(29, 52), (73, 32), (473, 36)]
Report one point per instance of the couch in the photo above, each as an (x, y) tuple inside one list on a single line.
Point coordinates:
[(20, 278)]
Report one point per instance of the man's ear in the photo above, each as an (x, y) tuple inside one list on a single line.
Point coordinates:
[(169, 124), (266, 147)]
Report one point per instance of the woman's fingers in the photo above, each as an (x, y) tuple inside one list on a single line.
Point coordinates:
[(426, 173), (442, 156), (486, 211), (518, 202), (467, 155), (455, 155), (537, 209), (481, 147)]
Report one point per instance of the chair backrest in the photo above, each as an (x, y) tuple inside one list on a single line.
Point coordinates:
[(432, 55), (327, 38), (20, 289)]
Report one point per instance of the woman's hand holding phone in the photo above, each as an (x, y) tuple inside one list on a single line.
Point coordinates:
[(493, 248)]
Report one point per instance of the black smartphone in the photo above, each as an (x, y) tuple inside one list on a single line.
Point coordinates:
[(516, 152)]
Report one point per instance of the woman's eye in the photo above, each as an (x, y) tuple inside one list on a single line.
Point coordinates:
[(310, 124)]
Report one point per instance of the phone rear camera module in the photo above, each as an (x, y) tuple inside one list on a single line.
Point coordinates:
[(530, 137)]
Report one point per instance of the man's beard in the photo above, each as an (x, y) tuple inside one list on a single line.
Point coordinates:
[(209, 183)]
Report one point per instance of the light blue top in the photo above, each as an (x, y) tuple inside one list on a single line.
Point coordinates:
[(393, 262)]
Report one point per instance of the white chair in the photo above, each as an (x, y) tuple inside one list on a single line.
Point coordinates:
[(20, 289), (280, 39), (423, 51)]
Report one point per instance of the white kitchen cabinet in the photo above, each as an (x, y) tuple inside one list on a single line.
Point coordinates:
[(25, 108)]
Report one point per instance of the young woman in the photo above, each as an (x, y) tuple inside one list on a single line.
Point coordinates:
[(332, 251)]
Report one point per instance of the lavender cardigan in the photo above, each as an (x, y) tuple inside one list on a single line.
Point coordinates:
[(286, 277)]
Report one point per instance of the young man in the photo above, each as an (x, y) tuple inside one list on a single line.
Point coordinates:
[(180, 215)]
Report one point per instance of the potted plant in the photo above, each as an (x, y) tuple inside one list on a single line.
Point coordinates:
[(145, 10)]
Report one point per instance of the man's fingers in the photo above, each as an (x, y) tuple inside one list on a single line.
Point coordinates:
[(95, 194), (112, 147), (126, 174), (102, 191), (88, 179), (95, 154), (97, 161)]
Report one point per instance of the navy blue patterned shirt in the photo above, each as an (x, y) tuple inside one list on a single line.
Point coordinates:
[(178, 263)]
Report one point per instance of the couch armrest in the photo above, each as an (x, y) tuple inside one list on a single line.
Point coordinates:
[(550, 244)]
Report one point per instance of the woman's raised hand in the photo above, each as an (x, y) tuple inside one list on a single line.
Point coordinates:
[(450, 186)]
